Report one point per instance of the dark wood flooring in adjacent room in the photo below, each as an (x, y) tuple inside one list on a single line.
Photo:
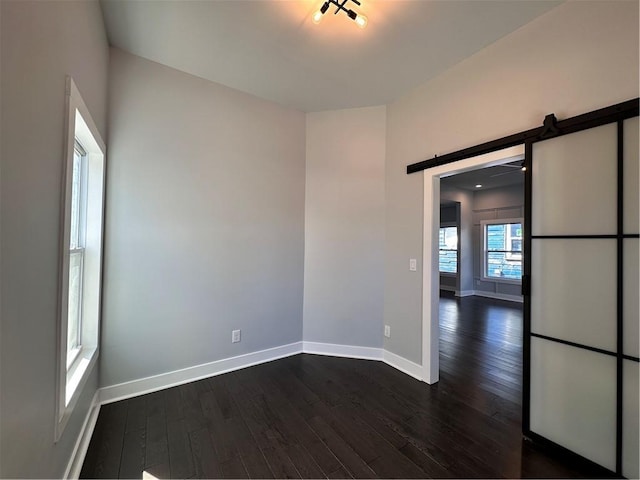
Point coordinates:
[(310, 416)]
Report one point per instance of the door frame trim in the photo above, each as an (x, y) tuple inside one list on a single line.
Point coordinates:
[(431, 227)]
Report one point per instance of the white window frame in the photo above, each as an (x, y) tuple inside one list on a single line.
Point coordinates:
[(74, 369), (450, 274), (80, 242), (485, 251)]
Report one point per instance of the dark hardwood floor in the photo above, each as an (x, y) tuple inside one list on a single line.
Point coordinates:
[(310, 416)]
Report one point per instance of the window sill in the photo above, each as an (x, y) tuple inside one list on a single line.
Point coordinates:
[(79, 372), (501, 280), (77, 377)]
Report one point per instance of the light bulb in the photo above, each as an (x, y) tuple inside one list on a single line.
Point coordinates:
[(361, 21), (524, 169), (317, 17)]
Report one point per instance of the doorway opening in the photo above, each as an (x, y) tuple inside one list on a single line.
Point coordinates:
[(431, 250), (480, 260)]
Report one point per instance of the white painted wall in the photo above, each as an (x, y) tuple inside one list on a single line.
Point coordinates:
[(578, 57), (204, 225), (42, 42), (344, 227)]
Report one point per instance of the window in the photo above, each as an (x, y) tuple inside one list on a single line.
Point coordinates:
[(448, 249), (81, 257), (502, 257), (76, 254)]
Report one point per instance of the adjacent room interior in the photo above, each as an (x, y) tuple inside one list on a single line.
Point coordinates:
[(480, 268), (216, 263)]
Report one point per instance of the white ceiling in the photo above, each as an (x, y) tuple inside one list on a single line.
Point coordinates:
[(272, 49)]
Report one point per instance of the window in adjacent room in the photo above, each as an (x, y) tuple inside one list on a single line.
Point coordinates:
[(81, 256), (502, 254), (448, 249)]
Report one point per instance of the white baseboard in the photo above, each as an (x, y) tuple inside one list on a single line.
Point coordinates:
[(447, 288), (396, 361), (464, 293), (400, 363), (499, 296), (179, 377), (82, 443), (142, 386), (348, 351)]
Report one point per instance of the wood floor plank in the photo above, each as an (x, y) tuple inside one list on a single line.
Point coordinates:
[(233, 468), (352, 462), (156, 403), (205, 459), (191, 407), (174, 405), (180, 452), (252, 457), (295, 427), (258, 416), (339, 473), (255, 463), (136, 413), (133, 454), (310, 416), (108, 441), (160, 470), (156, 445)]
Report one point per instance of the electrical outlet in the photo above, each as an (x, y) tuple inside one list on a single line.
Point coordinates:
[(387, 331), (235, 336), (413, 264)]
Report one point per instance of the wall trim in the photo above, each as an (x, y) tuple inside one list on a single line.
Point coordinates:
[(154, 383), (82, 443), (134, 388), (447, 288), (400, 363), (465, 293), (348, 351), (499, 296), (368, 353)]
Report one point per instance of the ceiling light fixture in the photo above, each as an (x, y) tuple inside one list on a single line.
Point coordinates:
[(479, 185), (360, 19)]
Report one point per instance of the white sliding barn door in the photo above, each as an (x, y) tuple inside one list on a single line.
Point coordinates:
[(581, 308)]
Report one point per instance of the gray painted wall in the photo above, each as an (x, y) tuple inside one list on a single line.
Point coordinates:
[(205, 222), (464, 198), (494, 204), (344, 227), (449, 216), (571, 54), (42, 42)]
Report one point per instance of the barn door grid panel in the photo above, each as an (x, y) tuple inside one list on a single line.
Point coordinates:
[(581, 314), (580, 327)]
